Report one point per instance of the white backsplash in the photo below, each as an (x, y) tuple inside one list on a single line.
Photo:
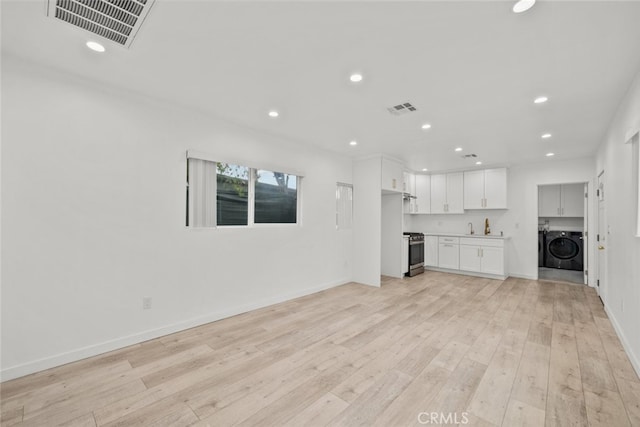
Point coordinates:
[(459, 223)]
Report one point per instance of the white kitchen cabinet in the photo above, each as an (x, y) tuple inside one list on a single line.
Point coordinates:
[(448, 253), (572, 200), (438, 193), (422, 202), (431, 251), (482, 255), (549, 200), (470, 258), (447, 193), (392, 178), (409, 183), (485, 189), (561, 200), (492, 260)]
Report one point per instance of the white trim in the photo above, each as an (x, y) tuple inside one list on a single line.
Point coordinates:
[(633, 358), (118, 343), (523, 276)]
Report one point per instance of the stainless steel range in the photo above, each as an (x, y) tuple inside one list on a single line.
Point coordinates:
[(416, 253)]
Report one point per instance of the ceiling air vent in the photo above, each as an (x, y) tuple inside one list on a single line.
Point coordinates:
[(403, 108), (469, 156), (116, 20)]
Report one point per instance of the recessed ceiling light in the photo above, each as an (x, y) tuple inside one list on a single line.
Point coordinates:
[(95, 46), (550, 154), (426, 126), (459, 149), (355, 78), (273, 114), (353, 143), (546, 135), (523, 6), (424, 169), (540, 100), (478, 162)]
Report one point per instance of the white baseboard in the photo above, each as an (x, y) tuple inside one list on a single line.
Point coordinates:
[(467, 273), (523, 276), (104, 347), (635, 362)]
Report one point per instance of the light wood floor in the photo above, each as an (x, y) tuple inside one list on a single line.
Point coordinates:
[(514, 352)]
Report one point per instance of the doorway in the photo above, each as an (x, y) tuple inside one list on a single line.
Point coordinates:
[(562, 232)]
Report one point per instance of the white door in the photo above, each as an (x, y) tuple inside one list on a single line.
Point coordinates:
[(455, 192), (438, 193), (492, 260), (572, 200), (495, 188), (549, 200), (423, 194), (474, 189), (469, 258), (601, 241)]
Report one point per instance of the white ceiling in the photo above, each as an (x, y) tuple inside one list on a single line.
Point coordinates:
[(471, 68)]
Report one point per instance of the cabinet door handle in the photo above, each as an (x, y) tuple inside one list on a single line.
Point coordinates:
[(478, 252), (562, 211), (481, 253)]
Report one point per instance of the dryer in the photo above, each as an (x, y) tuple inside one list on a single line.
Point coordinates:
[(564, 250)]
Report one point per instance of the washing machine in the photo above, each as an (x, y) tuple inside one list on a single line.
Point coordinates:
[(564, 250), (541, 251)]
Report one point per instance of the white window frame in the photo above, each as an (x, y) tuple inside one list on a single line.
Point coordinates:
[(339, 221), (191, 154)]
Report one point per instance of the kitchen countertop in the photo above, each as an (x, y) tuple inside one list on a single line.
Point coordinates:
[(478, 236)]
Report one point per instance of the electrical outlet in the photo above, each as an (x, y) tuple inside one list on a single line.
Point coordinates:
[(146, 303)]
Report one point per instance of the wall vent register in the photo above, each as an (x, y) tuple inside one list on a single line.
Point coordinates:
[(115, 20)]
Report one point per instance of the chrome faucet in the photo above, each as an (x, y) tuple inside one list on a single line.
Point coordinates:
[(471, 228)]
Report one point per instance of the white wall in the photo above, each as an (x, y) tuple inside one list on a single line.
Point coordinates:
[(622, 282), (93, 192), (367, 220), (391, 244), (520, 221)]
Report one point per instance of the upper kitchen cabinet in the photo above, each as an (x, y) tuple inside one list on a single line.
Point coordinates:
[(447, 193), (392, 175), (561, 200), (409, 183), (422, 202), (485, 189)]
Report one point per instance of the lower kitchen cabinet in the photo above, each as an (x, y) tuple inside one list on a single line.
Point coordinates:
[(474, 256), (448, 253), (431, 251), (482, 255)]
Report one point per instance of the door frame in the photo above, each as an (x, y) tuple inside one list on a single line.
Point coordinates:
[(601, 212)]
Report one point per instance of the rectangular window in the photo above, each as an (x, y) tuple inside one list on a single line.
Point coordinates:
[(276, 197), (344, 206), (227, 194), (232, 201)]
